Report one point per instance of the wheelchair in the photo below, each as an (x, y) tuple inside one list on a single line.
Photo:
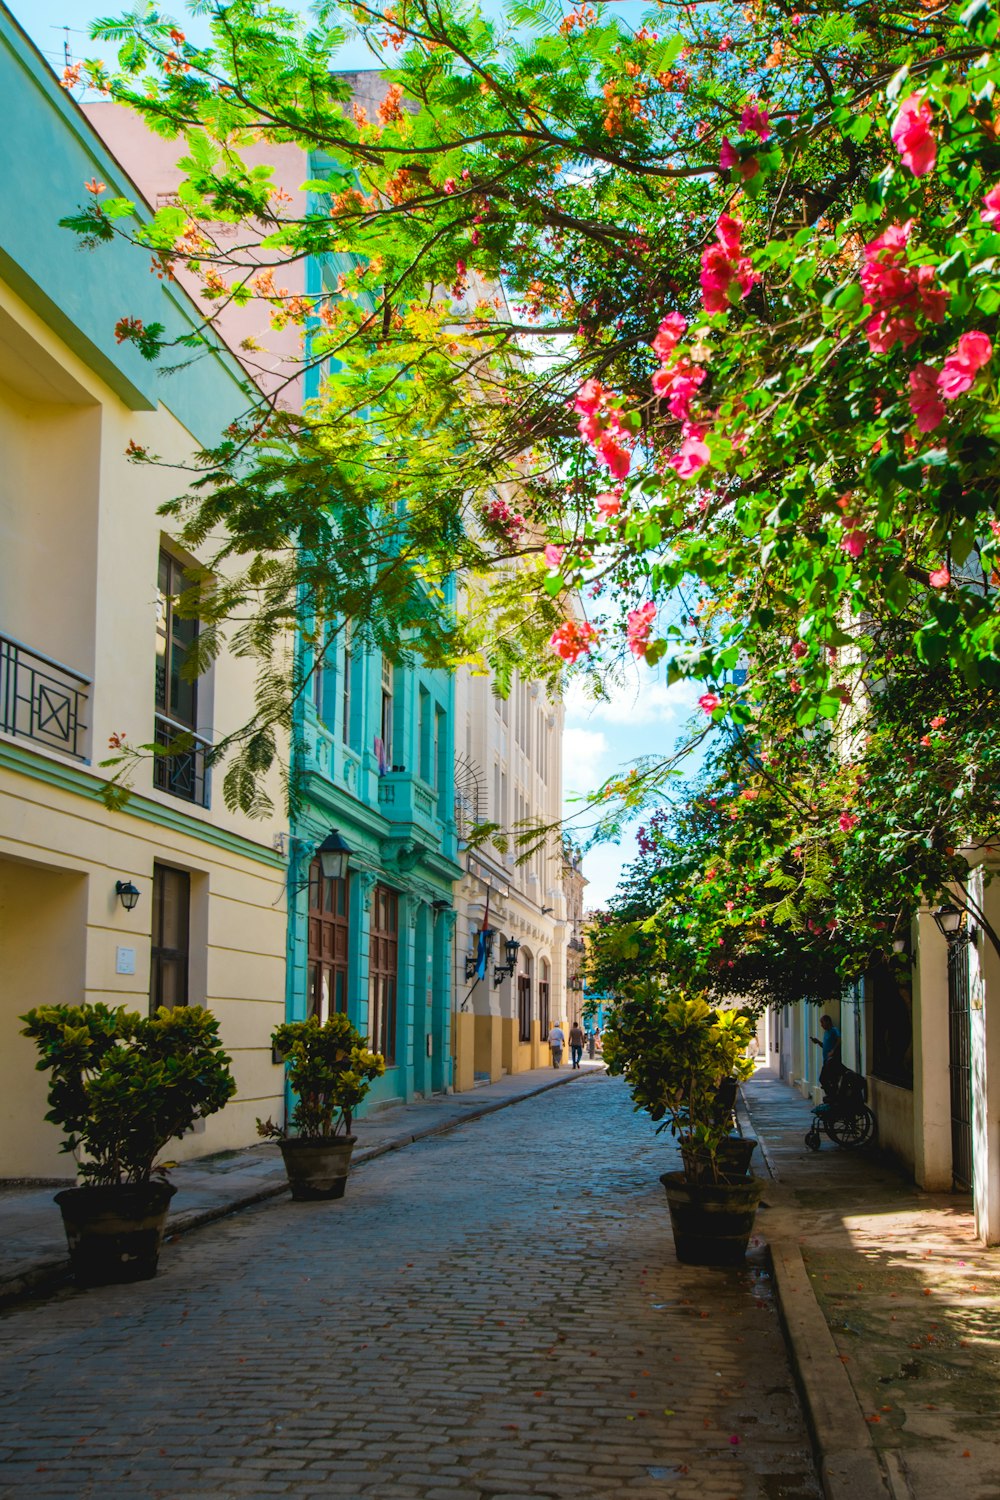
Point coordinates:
[(844, 1114)]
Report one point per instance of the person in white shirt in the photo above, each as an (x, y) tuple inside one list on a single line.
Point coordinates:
[(557, 1042)]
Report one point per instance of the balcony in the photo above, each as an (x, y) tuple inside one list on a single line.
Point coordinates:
[(404, 798), (179, 766), (41, 700)]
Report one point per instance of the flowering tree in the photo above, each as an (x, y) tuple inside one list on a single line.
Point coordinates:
[(757, 248)]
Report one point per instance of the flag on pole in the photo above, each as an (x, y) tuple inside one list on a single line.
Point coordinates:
[(483, 945)]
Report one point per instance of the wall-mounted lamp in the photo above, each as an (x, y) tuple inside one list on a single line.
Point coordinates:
[(576, 983), (127, 893), (334, 856), (506, 970), (546, 910), (950, 922)]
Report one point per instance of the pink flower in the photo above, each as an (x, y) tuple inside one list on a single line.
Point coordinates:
[(854, 540), (553, 555), (799, 650), (729, 232), (677, 386), (709, 702), (940, 578), (730, 905), (729, 157), (693, 454), (756, 119), (925, 403), (959, 371), (724, 263), (717, 274), (886, 329), (589, 397), (609, 505), (848, 822), (990, 211), (572, 639), (669, 334), (614, 457), (638, 626), (932, 298), (925, 740), (938, 721), (913, 137), (450, 185)]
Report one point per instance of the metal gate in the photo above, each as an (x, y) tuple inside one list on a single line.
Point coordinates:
[(960, 1065)]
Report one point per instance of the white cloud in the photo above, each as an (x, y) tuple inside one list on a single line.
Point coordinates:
[(637, 701), (585, 753)]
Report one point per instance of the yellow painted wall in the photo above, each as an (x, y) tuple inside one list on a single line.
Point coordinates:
[(80, 536), (489, 1047), (463, 1044)]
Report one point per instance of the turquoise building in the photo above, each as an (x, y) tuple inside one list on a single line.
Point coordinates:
[(373, 765)]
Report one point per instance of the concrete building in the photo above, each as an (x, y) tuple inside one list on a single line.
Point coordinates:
[(509, 773), (373, 741), (92, 645), (926, 1035)]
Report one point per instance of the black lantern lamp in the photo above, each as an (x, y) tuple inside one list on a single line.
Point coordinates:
[(506, 969), (949, 921), (127, 893), (334, 856)]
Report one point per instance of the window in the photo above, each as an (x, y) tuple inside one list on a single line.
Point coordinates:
[(329, 926), (424, 731), (438, 749), (324, 679), (524, 1008), (176, 697), (348, 686), (385, 730), (544, 1023), (182, 772), (170, 939), (383, 960)]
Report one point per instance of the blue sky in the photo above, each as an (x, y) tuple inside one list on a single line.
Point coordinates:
[(643, 716)]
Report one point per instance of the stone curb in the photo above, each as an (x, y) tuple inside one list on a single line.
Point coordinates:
[(50, 1275), (846, 1458)]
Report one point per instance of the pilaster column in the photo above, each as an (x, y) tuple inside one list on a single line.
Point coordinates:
[(931, 1087)]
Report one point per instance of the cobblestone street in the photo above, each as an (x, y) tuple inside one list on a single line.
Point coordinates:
[(496, 1312)]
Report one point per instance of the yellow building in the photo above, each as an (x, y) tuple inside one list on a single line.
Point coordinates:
[(91, 646)]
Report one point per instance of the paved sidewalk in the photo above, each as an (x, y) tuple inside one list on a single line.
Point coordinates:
[(33, 1256), (910, 1305)]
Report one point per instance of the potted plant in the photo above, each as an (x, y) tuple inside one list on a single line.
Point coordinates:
[(122, 1086), (679, 1057), (330, 1070)]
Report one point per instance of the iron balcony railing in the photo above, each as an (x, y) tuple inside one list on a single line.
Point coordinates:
[(179, 766), (41, 700)]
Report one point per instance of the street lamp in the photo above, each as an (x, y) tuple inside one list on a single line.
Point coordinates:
[(506, 970), (949, 921), (334, 856), (127, 893)]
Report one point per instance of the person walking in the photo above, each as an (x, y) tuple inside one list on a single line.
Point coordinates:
[(557, 1042), (576, 1041), (591, 1044)]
